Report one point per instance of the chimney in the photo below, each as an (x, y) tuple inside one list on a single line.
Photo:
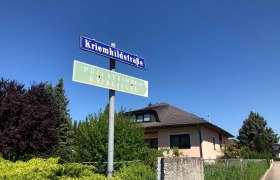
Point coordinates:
[(208, 118)]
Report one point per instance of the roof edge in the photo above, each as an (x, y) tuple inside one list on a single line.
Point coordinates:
[(214, 127)]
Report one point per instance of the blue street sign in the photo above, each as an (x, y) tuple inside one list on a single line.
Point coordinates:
[(110, 52)]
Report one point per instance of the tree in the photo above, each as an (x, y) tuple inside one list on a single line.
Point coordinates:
[(255, 134), (11, 108), (28, 120), (92, 136), (66, 133)]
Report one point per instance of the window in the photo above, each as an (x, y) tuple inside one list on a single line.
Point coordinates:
[(180, 141), (141, 117), (152, 143), (133, 117), (214, 143), (147, 117)]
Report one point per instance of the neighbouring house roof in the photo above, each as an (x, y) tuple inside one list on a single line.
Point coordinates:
[(170, 116), (232, 143)]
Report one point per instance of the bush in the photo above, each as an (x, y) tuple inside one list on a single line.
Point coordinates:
[(176, 152), (150, 158), (54, 168), (163, 151), (91, 140), (136, 171), (51, 168), (230, 152), (246, 153)]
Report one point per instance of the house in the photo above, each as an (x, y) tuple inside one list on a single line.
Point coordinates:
[(276, 148), (168, 126)]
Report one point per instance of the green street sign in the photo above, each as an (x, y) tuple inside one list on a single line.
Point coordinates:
[(96, 76)]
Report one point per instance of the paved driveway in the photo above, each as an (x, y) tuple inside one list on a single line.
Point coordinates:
[(274, 173)]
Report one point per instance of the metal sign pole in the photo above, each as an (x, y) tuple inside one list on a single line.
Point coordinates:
[(110, 164), (132, 85)]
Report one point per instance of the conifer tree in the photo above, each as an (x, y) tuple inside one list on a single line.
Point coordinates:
[(255, 134), (66, 132)]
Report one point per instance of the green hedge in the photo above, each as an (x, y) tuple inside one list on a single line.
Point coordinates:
[(54, 168), (136, 171), (222, 171), (246, 153), (51, 168)]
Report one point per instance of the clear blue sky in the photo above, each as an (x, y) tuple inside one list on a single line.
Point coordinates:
[(206, 57)]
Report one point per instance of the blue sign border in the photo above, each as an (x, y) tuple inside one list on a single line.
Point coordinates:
[(102, 49)]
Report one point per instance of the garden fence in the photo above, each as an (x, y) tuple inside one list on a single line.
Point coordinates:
[(101, 167)]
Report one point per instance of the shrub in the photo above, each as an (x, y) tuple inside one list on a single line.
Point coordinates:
[(230, 152), (136, 171), (150, 158), (51, 168), (246, 153), (91, 140), (163, 151), (176, 152)]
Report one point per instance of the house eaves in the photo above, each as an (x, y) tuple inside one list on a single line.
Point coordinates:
[(169, 116)]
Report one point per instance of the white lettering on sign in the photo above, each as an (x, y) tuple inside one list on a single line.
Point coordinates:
[(125, 83), (88, 74), (102, 49)]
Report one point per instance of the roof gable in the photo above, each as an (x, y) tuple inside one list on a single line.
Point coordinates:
[(168, 114)]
